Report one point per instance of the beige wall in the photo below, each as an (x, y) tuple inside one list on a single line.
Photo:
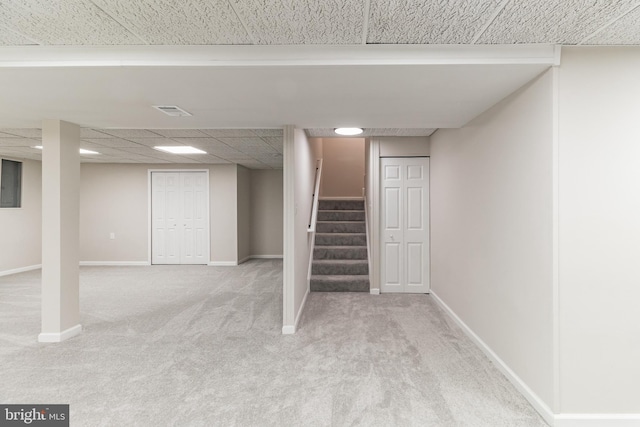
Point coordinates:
[(300, 156), (342, 167), (21, 228), (599, 230), (244, 213), (114, 198), (266, 212), (491, 224), (403, 146)]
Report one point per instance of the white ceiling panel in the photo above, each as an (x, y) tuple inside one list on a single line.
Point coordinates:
[(178, 22), (268, 132), (23, 132), (275, 142), (112, 142), (428, 22), (552, 21), (625, 31), (229, 132), (131, 133), (302, 21), (10, 38), (180, 133), (18, 142), (86, 133), (77, 22)]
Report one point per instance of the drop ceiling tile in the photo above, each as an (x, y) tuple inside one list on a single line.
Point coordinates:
[(428, 22), (229, 132), (268, 132), (329, 132), (207, 158), (303, 21), (180, 133), (236, 142), (275, 142), (130, 134), (552, 21), (625, 31), (179, 22), (112, 142), (48, 22), (152, 142), (9, 38), (23, 132), (86, 133), (18, 142)]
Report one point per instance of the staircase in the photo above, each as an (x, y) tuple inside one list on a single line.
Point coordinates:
[(340, 256)]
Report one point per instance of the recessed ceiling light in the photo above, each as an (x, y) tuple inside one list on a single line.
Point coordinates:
[(172, 110), (180, 149), (348, 131), (82, 150)]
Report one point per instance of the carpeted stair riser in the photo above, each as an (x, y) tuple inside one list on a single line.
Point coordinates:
[(340, 215), (333, 205), (340, 227), (340, 267), (340, 252), (340, 283), (341, 239), (340, 255)]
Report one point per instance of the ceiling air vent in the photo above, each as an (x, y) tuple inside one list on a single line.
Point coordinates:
[(171, 110)]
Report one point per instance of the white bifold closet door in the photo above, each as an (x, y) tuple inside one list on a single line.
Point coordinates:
[(405, 224), (179, 218)]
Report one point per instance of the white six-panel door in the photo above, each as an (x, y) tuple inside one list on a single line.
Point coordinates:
[(179, 218), (405, 224)]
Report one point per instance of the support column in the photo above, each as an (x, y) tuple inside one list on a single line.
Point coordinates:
[(60, 231)]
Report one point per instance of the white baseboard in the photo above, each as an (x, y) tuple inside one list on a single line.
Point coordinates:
[(222, 263), (113, 263), (374, 291), (341, 198), (291, 329), (20, 270), (60, 336), (597, 420), (517, 382), (266, 256)]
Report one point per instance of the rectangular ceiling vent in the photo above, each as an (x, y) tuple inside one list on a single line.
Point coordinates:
[(172, 110)]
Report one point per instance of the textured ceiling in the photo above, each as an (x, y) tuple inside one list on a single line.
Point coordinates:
[(254, 149), (212, 22)]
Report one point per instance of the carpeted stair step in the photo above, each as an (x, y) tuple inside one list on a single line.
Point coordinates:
[(321, 283), (341, 239), (340, 267), (333, 205), (340, 227), (340, 252), (340, 215)]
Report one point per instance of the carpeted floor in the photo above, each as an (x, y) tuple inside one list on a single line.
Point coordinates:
[(201, 346)]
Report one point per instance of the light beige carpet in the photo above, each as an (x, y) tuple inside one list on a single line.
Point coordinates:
[(201, 346)]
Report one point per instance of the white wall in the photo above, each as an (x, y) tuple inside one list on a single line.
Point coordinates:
[(114, 198), (300, 156), (491, 225), (244, 213), (599, 230), (266, 212), (21, 228), (342, 167)]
